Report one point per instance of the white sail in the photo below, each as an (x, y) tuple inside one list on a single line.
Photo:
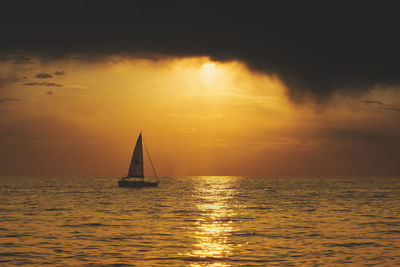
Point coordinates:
[(136, 168)]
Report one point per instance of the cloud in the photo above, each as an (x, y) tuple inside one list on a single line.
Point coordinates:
[(18, 59), (59, 73), (382, 105), (43, 84), (8, 99), (52, 93), (23, 60), (373, 102), (43, 75), (315, 47)]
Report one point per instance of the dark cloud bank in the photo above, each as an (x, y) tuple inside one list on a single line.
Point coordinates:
[(316, 47)]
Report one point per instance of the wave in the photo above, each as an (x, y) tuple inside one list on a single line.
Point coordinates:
[(56, 209), (258, 208), (353, 244), (85, 225)]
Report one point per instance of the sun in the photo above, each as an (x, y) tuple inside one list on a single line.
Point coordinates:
[(209, 72)]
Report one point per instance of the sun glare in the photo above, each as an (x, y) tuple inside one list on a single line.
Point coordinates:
[(209, 72)]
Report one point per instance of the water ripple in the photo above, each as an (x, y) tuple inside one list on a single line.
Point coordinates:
[(200, 221)]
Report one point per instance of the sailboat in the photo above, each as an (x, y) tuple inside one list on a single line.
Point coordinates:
[(135, 177)]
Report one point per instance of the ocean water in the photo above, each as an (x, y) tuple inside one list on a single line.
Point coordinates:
[(200, 221)]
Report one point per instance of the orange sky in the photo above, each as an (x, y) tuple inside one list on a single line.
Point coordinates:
[(198, 118)]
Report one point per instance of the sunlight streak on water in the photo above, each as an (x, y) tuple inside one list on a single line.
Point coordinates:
[(214, 226)]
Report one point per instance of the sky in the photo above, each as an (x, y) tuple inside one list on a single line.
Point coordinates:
[(218, 88)]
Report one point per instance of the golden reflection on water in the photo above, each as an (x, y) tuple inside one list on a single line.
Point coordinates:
[(213, 226)]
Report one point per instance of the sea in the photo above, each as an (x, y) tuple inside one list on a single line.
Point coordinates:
[(200, 221)]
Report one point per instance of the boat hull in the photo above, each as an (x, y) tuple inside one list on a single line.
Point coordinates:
[(136, 184)]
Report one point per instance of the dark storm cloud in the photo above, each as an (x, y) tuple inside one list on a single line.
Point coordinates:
[(43, 84), (43, 75), (315, 47)]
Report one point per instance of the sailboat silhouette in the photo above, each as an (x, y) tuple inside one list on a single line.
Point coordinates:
[(135, 177)]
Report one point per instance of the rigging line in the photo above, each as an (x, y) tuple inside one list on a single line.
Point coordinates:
[(148, 154)]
